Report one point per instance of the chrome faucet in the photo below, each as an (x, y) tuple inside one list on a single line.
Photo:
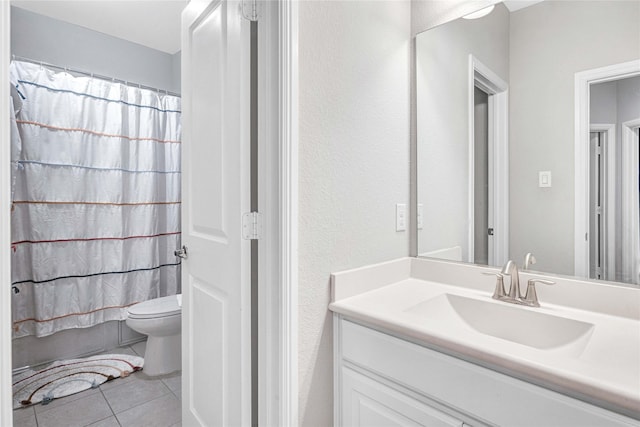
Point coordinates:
[(529, 260), (511, 269)]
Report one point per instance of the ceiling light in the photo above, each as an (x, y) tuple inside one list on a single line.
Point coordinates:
[(480, 13)]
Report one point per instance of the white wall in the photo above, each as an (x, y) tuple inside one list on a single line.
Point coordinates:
[(59, 43), (354, 60), (442, 82), (575, 36)]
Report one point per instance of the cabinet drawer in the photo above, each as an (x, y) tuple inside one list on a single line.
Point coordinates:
[(464, 387), (368, 403)]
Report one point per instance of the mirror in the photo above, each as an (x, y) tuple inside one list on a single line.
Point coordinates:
[(527, 138)]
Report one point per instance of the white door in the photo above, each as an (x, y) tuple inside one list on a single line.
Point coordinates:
[(216, 274)]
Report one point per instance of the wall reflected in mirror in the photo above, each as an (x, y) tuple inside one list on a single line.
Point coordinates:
[(496, 119)]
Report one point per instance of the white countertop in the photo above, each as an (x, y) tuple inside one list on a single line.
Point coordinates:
[(604, 368)]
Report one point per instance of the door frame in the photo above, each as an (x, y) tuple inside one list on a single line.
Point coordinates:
[(629, 168), (278, 389), (6, 413), (279, 396), (582, 82), (610, 195), (488, 81)]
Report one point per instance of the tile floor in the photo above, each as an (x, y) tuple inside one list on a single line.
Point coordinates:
[(134, 401)]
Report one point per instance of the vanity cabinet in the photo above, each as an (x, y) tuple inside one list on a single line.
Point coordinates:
[(368, 402), (385, 380)]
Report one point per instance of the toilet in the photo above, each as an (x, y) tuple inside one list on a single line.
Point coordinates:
[(161, 320)]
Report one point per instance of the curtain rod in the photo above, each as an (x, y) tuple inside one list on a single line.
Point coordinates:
[(93, 75)]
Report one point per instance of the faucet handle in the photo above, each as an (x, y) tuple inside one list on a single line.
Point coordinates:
[(531, 297), (499, 292)]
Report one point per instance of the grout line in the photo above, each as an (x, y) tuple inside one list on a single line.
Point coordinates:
[(166, 386), (63, 401), (134, 350), (75, 401), (124, 381), (102, 419), (168, 391), (143, 402), (108, 404)]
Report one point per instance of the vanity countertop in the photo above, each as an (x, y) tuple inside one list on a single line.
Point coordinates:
[(448, 306)]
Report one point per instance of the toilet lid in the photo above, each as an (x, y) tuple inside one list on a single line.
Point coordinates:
[(157, 307)]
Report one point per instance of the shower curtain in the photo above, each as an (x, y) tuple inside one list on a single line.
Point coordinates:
[(96, 208)]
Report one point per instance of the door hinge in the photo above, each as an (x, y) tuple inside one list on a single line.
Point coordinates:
[(252, 226), (250, 10)]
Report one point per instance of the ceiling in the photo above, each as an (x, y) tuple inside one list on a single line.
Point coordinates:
[(151, 23), (514, 5)]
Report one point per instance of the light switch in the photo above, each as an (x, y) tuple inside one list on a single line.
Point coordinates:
[(544, 179), (401, 217), (420, 216)]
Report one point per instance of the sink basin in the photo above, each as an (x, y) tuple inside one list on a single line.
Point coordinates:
[(506, 321)]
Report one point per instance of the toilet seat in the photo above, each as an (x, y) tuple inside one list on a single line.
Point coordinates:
[(156, 308)]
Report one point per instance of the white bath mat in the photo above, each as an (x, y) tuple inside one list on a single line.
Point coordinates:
[(67, 377)]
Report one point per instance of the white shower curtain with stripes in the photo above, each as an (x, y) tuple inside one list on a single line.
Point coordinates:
[(96, 208)]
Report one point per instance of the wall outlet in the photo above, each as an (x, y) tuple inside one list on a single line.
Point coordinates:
[(401, 217), (420, 216)]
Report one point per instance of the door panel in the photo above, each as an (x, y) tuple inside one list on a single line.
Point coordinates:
[(207, 358), (207, 217), (216, 274), (369, 403)]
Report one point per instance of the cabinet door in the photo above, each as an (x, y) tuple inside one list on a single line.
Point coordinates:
[(369, 403)]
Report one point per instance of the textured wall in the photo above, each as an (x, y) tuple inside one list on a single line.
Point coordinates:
[(575, 36), (354, 164), (49, 40)]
